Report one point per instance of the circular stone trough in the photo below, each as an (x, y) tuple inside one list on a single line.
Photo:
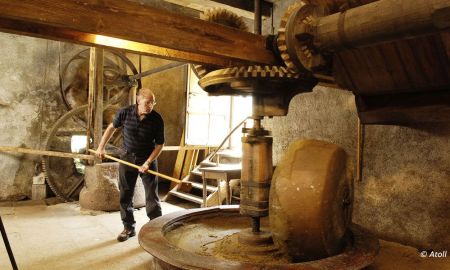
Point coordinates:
[(207, 238)]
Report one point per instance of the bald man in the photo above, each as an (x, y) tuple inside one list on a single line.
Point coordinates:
[(143, 140)]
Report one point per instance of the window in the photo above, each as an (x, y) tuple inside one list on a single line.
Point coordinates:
[(78, 145), (209, 119)]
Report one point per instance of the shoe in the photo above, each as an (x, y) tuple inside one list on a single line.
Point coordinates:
[(125, 234)]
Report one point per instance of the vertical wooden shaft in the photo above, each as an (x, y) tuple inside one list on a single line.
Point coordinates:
[(95, 101), (257, 18), (256, 175)]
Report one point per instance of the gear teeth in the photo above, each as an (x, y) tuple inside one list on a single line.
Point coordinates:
[(52, 187), (281, 39), (223, 17), (253, 72), (45, 159), (199, 70)]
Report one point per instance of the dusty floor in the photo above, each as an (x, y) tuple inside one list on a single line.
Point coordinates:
[(62, 236)]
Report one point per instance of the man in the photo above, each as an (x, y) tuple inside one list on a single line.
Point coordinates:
[(143, 140)]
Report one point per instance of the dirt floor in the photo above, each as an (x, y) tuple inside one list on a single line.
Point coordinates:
[(46, 236)]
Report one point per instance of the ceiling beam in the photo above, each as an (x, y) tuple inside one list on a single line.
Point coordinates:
[(135, 27), (162, 4)]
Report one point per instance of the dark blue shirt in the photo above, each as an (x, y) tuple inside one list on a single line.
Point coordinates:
[(139, 136)]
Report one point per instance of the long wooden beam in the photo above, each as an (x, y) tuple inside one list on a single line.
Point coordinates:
[(163, 4), (44, 152), (382, 21), (135, 27)]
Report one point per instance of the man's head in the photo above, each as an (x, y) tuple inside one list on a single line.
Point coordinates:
[(145, 101)]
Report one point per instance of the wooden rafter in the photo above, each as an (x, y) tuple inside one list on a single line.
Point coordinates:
[(132, 26)]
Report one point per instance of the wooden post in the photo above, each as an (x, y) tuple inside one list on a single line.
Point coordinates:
[(95, 99)]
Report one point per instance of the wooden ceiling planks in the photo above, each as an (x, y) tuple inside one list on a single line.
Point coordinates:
[(395, 67), (399, 82), (412, 65)]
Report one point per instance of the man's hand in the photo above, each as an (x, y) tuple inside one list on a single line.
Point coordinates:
[(100, 152), (144, 168), (105, 138)]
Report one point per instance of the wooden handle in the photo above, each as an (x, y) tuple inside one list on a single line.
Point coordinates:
[(137, 167), (44, 152), (81, 156)]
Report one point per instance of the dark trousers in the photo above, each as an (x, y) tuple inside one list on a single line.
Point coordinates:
[(127, 182)]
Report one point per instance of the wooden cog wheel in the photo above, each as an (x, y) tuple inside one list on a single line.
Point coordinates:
[(311, 198), (239, 80), (282, 40), (223, 17)]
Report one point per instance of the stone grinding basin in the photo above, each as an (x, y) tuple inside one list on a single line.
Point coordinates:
[(207, 239)]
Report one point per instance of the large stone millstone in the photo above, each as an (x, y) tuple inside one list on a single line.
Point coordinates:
[(311, 200), (101, 190)]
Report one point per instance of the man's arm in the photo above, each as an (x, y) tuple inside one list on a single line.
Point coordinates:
[(105, 138), (154, 155)]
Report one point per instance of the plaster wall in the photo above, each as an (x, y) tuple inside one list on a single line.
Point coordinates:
[(404, 194), (29, 104)]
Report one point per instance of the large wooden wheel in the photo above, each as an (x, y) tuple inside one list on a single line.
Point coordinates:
[(117, 68), (311, 200), (66, 176), (62, 174)]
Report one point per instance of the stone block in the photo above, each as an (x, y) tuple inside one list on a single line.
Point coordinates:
[(101, 190), (38, 191)]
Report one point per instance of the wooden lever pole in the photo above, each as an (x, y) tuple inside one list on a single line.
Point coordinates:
[(185, 185), (44, 152), (148, 171)]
